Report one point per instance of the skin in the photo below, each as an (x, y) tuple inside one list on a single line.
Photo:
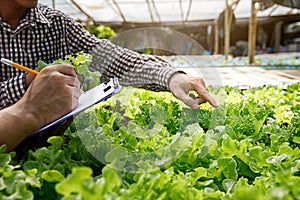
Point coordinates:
[(53, 93), (181, 84), (13, 10)]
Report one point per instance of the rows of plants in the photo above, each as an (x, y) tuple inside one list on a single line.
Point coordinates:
[(147, 145), (269, 63)]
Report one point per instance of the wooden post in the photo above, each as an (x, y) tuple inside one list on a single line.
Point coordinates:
[(216, 44), (226, 31), (252, 32), (53, 4), (277, 36)]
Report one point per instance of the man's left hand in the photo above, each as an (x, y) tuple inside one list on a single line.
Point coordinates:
[(181, 84)]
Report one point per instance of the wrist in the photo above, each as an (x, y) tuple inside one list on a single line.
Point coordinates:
[(16, 125), (176, 75), (28, 117)]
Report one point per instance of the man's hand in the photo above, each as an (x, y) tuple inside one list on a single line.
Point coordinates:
[(181, 84), (53, 93)]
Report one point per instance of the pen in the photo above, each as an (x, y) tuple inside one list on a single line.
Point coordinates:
[(21, 67)]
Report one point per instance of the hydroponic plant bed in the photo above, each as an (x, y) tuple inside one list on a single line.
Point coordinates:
[(145, 145), (265, 61)]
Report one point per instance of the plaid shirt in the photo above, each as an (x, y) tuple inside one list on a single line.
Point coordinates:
[(47, 34)]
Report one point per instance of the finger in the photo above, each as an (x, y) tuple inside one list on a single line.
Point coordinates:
[(77, 92), (74, 103), (72, 81), (29, 78), (188, 100), (204, 94), (66, 69), (200, 100)]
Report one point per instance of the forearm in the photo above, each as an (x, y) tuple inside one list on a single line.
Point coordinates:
[(16, 124), (138, 70)]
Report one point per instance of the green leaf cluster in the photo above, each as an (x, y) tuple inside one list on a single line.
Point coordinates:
[(81, 61), (101, 31), (148, 145)]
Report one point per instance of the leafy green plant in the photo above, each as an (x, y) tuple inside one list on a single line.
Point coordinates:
[(147, 145), (101, 31), (81, 62)]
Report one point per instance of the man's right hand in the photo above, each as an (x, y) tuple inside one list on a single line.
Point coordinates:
[(52, 93)]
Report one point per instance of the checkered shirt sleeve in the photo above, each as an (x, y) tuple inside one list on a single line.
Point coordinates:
[(132, 69)]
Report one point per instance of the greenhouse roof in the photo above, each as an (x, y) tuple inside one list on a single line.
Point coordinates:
[(160, 11)]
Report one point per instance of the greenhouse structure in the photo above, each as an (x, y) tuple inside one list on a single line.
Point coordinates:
[(238, 59)]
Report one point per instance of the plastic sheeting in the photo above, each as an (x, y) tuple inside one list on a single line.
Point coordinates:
[(159, 11), (288, 3)]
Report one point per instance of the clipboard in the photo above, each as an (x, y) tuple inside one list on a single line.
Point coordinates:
[(87, 99)]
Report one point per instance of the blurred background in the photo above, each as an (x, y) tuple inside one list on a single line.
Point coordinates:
[(222, 33)]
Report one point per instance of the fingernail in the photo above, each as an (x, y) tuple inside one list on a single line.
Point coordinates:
[(215, 104)]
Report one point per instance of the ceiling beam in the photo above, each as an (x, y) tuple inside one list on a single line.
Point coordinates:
[(188, 11), (156, 11), (81, 10), (181, 10), (119, 10), (150, 10)]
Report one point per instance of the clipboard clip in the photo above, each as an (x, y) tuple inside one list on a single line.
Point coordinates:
[(110, 83), (116, 82)]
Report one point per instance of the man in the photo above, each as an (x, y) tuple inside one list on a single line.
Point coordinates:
[(30, 32), (53, 93)]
